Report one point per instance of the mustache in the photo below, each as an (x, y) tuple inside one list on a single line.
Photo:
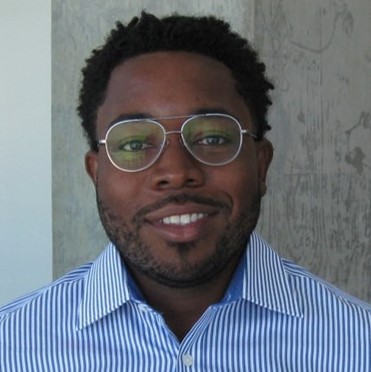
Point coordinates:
[(180, 199)]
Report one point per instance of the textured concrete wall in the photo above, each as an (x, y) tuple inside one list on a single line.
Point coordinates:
[(318, 208)]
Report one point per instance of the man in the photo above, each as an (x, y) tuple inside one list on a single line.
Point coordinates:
[(174, 110)]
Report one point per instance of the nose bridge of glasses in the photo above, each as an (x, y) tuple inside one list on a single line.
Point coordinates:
[(166, 132), (179, 132), (167, 141), (176, 124)]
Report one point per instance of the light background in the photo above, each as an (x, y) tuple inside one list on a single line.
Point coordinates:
[(25, 149), (318, 208)]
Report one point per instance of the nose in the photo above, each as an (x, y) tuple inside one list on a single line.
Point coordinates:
[(176, 168)]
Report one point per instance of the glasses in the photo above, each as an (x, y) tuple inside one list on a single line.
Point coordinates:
[(213, 139)]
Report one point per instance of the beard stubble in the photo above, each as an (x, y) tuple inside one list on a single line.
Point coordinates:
[(136, 252)]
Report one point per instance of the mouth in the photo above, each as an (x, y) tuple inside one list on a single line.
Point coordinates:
[(182, 223), (183, 219)]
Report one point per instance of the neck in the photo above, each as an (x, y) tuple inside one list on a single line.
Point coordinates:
[(182, 307)]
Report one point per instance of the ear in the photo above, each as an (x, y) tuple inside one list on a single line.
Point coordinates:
[(91, 165), (264, 157)]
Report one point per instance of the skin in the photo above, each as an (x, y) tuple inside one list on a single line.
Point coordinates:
[(181, 270)]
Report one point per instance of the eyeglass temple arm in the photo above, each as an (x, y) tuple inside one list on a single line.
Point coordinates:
[(251, 134)]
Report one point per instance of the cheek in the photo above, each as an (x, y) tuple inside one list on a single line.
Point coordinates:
[(239, 183), (118, 191)]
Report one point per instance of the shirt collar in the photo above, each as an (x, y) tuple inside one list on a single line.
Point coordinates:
[(266, 281), (105, 289), (260, 278)]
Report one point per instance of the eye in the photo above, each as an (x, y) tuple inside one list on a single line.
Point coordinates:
[(212, 140), (134, 145)]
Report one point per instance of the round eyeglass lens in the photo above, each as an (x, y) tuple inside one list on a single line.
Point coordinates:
[(212, 139), (134, 145)]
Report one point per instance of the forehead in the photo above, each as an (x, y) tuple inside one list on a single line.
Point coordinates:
[(166, 84)]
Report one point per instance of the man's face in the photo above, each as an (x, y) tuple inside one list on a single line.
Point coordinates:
[(179, 222)]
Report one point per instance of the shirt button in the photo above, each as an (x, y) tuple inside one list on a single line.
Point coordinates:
[(187, 360)]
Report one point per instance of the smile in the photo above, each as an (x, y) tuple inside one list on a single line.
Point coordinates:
[(183, 219)]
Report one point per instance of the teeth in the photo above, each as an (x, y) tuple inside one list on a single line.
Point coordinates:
[(183, 219)]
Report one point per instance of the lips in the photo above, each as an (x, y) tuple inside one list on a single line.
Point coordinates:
[(183, 219), (182, 223), (180, 214)]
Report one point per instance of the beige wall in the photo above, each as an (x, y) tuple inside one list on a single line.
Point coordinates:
[(318, 208)]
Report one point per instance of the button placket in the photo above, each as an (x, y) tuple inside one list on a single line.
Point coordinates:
[(187, 356)]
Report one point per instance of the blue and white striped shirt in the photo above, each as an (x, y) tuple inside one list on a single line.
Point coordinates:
[(275, 317)]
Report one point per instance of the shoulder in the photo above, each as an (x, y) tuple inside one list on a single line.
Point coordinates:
[(64, 289), (286, 287), (307, 287), (318, 295)]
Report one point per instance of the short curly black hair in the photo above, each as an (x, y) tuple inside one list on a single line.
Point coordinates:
[(208, 36)]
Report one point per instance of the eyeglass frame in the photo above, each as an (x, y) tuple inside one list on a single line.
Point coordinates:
[(103, 142)]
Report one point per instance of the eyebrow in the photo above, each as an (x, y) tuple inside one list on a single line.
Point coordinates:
[(132, 116), (144, 115)]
